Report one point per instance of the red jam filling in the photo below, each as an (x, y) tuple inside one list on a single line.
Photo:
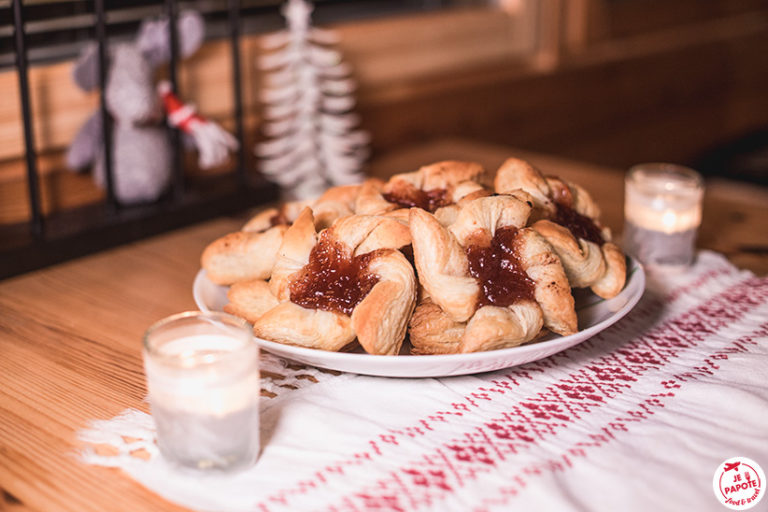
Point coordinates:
[(579, 225), (409, 196), (333, 280), (495, 263)]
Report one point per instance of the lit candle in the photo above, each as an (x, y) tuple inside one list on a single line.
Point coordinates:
[(203, 380), (662, 212)]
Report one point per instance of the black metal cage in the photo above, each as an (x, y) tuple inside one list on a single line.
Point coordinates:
[(45, 240), (53, 238)]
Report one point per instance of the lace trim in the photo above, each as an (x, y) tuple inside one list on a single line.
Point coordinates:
[(129, 438)]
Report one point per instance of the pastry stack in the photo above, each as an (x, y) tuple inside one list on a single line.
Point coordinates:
[(448, 257)]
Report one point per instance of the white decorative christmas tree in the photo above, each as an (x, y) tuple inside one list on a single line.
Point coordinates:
[(313, 135)]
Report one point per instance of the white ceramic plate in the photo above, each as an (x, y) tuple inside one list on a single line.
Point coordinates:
[(594, 314)]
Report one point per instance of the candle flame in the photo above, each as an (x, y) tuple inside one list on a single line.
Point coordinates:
[(669, 219)]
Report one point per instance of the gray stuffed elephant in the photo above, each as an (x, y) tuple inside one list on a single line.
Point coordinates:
[(141, 152)]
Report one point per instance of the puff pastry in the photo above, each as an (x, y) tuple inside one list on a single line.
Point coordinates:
[(242, 255), (495, 270), (251, 252), (431, 188), (565, 214), (349, 281), (284, 215), (250, 299), (488, 278)]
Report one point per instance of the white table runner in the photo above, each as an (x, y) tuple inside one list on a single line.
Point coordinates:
[(637, 418)]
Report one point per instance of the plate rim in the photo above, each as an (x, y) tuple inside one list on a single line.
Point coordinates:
[(635, 276)]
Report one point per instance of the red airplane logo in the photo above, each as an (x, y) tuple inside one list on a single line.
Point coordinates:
[(731, 466)]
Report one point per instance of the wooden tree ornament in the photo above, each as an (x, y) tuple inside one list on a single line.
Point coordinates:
[(313, 136)]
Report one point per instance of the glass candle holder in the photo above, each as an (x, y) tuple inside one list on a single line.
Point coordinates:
[(203, 380), (662, 213)]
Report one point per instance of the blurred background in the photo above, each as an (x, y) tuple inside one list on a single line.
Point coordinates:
[(612, 82)]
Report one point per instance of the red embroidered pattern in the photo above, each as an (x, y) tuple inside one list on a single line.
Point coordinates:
[(539, 417), (723, 270), (642, 411)]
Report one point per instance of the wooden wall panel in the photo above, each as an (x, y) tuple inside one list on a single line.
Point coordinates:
[(382, 52), (668, 95), (668, 105), (386, 55)]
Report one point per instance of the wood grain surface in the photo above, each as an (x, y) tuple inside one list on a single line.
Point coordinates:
[(70, 335)]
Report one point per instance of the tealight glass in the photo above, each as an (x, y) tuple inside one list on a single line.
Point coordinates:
[(662, 213), (203, 380)]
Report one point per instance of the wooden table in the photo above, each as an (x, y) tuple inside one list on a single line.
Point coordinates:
[(70, 335)]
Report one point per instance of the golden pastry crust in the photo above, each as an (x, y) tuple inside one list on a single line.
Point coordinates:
[(242, 255), (516, 174), (583, 261), (432, 331), (379, 320), (493, 327), (370, 200), (250, 253), (447, 174), (456, 297), (285, 214), (367, 233), (250, 299), (615, 275), (447, 215), (442, 266), (430, 187), (551, 289), (278, 282), (490, 214), (335, 203), (293, 253), (574, 196), (401, 214), (589, 257), (291, 324)]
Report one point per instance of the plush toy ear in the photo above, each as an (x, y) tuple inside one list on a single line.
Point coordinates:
[(86, 70), (191, 28), (154, 40)]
